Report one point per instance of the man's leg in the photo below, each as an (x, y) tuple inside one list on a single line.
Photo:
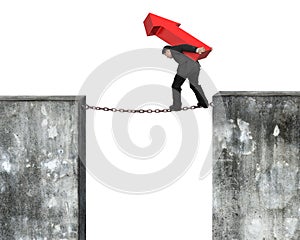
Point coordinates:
[(197, 89), (176, 92)]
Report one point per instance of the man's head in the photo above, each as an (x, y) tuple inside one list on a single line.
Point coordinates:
[(167, 52)]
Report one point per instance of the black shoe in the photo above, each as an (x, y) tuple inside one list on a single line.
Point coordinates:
[(202, 105), (175, 108)]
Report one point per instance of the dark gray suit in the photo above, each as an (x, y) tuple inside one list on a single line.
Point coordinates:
[(187, 68)]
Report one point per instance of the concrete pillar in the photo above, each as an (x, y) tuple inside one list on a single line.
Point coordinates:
[(256, 184), (42, 173)]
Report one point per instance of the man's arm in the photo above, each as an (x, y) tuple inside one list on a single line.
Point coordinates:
[(188, 48)]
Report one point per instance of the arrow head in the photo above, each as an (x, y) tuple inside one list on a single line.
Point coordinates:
[(154, 23)]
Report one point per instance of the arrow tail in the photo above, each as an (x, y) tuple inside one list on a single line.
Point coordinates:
[(173, 37)]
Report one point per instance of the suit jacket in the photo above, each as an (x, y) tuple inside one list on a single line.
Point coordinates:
[(185, 64)]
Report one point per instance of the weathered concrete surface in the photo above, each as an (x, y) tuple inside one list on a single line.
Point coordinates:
[(256, 184), (42, 175)]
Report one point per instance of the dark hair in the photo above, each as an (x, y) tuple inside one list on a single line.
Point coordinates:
[(165, 49)]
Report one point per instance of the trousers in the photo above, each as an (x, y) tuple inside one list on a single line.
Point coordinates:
[(197, 89)]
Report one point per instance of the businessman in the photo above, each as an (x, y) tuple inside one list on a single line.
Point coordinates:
[(187, 68)]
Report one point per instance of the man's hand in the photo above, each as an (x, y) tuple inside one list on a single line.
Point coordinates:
[(200, 50)]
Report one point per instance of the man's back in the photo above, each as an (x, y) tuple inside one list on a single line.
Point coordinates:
[(177, 53)]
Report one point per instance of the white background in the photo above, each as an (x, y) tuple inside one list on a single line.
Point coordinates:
[(50, 48)]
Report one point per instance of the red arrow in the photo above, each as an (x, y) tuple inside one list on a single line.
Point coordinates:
[(170, 32)]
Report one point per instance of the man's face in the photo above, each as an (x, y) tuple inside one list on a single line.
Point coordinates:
[(168, 53)]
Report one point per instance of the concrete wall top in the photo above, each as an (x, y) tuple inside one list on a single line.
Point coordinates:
[(257, 93)]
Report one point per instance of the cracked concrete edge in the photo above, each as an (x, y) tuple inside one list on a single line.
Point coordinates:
[(81, 118), (256, 93)]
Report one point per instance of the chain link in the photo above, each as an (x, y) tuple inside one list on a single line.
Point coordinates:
[(122, 110)]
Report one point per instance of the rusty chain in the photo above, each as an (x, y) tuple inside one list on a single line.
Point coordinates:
[(122, 110)]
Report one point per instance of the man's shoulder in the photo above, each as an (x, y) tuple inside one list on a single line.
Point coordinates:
[(184, 48), (176, 48), (176, 52), (179, 55)]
